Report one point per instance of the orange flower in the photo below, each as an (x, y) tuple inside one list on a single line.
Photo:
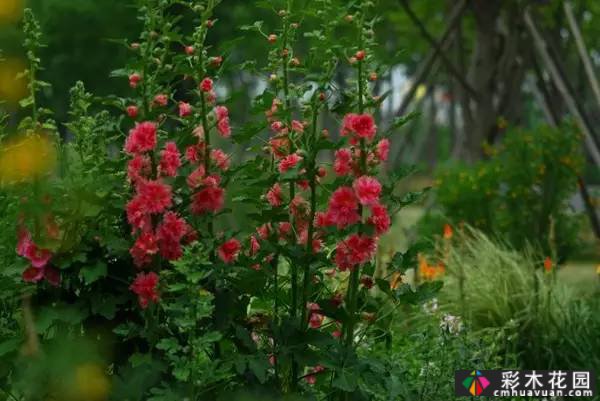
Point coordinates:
[(547, 264), (430, 272), (448, 231)]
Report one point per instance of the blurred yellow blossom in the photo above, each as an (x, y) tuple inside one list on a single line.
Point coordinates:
[(25, 158)]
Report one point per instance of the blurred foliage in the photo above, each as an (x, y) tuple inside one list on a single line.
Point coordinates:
[(547, 323), (522, 192)]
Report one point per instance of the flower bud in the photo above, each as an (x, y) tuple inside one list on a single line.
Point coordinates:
[(360, 55), (272, 38)]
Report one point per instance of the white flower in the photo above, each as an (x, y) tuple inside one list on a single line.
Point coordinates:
[(451, 324)]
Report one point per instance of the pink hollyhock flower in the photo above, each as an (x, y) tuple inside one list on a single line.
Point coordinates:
[(303, 184), (343, 207), (285, 228), (198, 132), (382, 150), (279, 146), (196, 178), (289, 162), (139, 167), (206, 85), (229, 250), (132, 111), (367, 190), (299, 207), (185, 109), (170, 160), (264, 231), (315, 316), (297, 126), (161, 100), (380, 219), (155, 196), (142, 138), (137, 216), (221, 112), (220, 158), (343, 162), (209, 199), (275, 195), (277, 126), (38, 258), (213, 180), (254, 245), (145, 286), (224, 128), (134, 80)]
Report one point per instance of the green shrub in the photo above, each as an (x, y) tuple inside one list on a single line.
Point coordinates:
[(522, 191)]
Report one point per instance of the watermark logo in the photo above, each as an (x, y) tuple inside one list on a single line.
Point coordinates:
[(476, 383), (525, 383)]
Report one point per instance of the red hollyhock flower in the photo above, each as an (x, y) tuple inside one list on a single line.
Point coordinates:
[(367, 190), (145, 286), (161, 100), (220, 158), (132, 111), (289, 162), (144, 247), (206, 85), (254, 245), (275, 195), (355, 250), (32, 274), (380, 219), (52, 276), (137, 216), (382, 150), (209, 199), (194, 153), (297, 126), (229, 250), (154, 195), (196, 178), (170, 160), (28, 249), (142, 138), (361, 125), (185, 109), (172, 228), (134, 80), (343, 162), (343, 207), (139, 167), (367, 282)]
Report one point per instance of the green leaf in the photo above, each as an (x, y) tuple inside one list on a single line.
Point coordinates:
[(91, 274), (259, 366), (345, 381)]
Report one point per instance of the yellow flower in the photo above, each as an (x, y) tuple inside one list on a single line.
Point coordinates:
[(26, 158)]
